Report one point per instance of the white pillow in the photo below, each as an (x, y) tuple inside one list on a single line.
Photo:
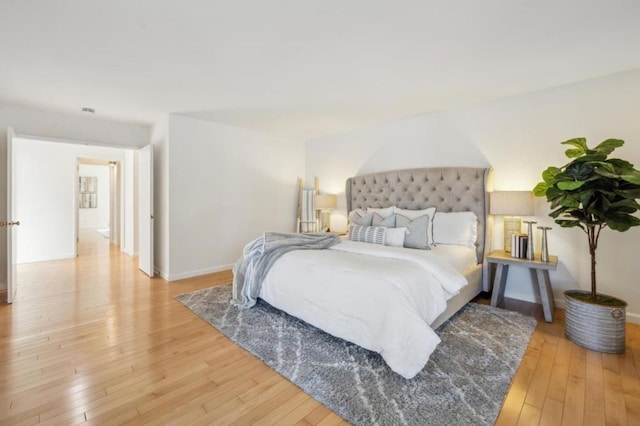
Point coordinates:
[(414, 214), (394, 237), (384, 212), (455, 228)]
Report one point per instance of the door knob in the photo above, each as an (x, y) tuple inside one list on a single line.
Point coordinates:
[(2, 224)]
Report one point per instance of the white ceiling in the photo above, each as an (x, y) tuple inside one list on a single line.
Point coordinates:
[(302, 68)]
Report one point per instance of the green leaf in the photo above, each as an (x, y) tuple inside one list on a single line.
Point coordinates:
[(625, 205), (580, 145), (606, 172), (633, 193), (608, 146), (540, 189), (570, 186), (622, 223), (633, 178), (573, 153), (620, 165), (549, 175)]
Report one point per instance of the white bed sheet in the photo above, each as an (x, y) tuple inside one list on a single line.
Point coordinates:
[(381, 298), (460, 257)]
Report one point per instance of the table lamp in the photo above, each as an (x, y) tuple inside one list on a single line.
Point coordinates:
[(511, 205), (325, 203)]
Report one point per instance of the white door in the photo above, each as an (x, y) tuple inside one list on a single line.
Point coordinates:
[(12, 222), (145, 209)]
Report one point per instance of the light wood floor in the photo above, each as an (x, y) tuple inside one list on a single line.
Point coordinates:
[(93, 339)]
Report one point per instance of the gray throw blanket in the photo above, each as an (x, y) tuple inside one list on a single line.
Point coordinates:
[(260, 254)]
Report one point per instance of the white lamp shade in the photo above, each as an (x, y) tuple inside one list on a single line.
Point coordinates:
[(326, 202), (511, 203)]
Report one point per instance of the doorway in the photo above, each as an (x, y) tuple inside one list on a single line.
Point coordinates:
[(98, 204), (46, 195)]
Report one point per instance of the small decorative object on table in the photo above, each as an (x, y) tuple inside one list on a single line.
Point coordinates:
[(544, 256), (530, 253)]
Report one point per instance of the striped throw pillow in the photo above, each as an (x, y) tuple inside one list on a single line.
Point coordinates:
[(367, 234)]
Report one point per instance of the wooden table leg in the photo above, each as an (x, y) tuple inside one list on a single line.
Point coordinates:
[(499, 284), (541, 280)]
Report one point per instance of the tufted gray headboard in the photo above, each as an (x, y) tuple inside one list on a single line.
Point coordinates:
[(448, 189)]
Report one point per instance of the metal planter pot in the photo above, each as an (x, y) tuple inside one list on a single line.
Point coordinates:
[(593, 326)]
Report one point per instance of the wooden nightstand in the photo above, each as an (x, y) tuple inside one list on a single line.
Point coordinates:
[(539, 271)]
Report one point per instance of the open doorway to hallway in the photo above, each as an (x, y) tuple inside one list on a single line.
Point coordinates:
[(47, 197), (46, 194), (98, 202)]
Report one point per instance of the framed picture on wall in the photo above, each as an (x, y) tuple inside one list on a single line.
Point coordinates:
[(88, 187)]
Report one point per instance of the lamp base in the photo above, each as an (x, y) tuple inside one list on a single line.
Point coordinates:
[(511, 225), (325, 221)]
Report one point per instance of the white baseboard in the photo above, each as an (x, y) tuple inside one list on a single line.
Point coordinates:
[(197, 273), (47, 258), (634, 318), (160, 273), (129, 252)]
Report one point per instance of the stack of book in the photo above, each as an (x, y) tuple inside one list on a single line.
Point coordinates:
[(519, 245)]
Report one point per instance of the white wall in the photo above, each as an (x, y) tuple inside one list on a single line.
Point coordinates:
[(97, 217), (53, 125), (227, 186), (519, 137), (46, 197)]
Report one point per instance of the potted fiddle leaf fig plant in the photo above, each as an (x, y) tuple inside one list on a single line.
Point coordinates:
[(593, 192)]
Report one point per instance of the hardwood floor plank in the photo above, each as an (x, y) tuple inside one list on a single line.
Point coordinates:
[(298, 414), (331, 420), (265, 409), (514, 400), (537, 391), (530, 415), (557, 388), (573, 411), (237, 408), (275, 415), (551, 412), (614, 402), (317, 415), (594, 406), (628, 374), (632, 409), (188, 418)]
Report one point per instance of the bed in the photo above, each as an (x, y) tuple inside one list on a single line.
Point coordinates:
[(389, 299)]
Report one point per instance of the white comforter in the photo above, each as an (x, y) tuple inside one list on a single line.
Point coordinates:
[(381, 298)]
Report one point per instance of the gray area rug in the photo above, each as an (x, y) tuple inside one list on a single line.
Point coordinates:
[(464, 382)]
